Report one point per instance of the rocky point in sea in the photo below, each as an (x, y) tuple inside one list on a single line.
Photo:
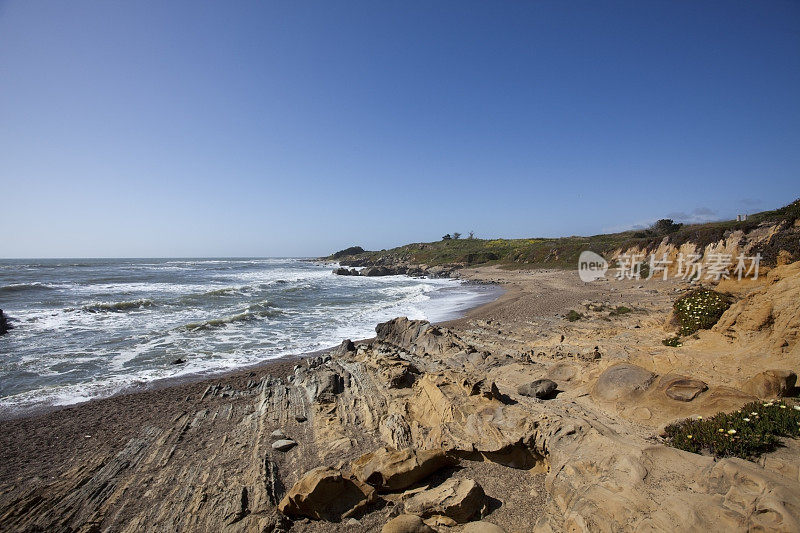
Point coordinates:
[(4, 325)]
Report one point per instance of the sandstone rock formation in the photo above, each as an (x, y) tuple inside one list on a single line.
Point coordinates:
[(459, 499), (682, 388), (406, 523), (541, 388), (622, 380), (393, 470), (771, 384), (323, 493)]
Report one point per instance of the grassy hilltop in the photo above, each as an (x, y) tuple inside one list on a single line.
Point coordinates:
[(564, 251)]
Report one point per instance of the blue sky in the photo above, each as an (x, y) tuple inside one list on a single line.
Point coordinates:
[(132, 129)]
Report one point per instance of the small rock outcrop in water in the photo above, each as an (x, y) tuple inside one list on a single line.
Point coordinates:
[(4, 325)]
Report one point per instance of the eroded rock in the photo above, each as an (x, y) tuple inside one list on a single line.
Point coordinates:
[(541, 388), (324, 494), (482, 527), (622, 380), (390, 470), (459, 499), (682, 388), (771, 384), (406, 523)]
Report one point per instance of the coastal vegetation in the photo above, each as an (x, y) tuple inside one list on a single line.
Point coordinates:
[(672, 342), (573, 316), (700, 309), (563, 252), (747, 433), (620, 310)]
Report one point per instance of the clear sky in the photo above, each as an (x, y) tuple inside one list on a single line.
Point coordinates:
[(296, 128)]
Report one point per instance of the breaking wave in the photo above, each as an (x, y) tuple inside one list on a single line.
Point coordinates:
[(247, 316), (22, 287), (116, 307)]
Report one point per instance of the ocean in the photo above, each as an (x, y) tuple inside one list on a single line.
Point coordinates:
[(89, 328)]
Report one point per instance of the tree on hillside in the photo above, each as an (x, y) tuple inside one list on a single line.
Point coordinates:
[(471, 235), (456, 235), (446, 237), (664, 226)]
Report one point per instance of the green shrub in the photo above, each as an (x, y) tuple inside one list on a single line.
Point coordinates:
[(573, 315), (672, 341), (700, 309), (746, 433), (620, 310)]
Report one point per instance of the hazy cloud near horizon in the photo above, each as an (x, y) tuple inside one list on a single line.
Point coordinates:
[(695, 216)]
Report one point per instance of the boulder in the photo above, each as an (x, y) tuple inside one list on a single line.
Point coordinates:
[(345, 347), (391, 470), (417, 336), (541, 388), (406, 523), (283, 445), (459, 499), (324, 494), (771, 384), (683, 389), (482, 527), (341, 271), (376, 271), (622, 380), (278, 434)]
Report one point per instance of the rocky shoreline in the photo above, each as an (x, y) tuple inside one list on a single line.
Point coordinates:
[(510, 419)]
